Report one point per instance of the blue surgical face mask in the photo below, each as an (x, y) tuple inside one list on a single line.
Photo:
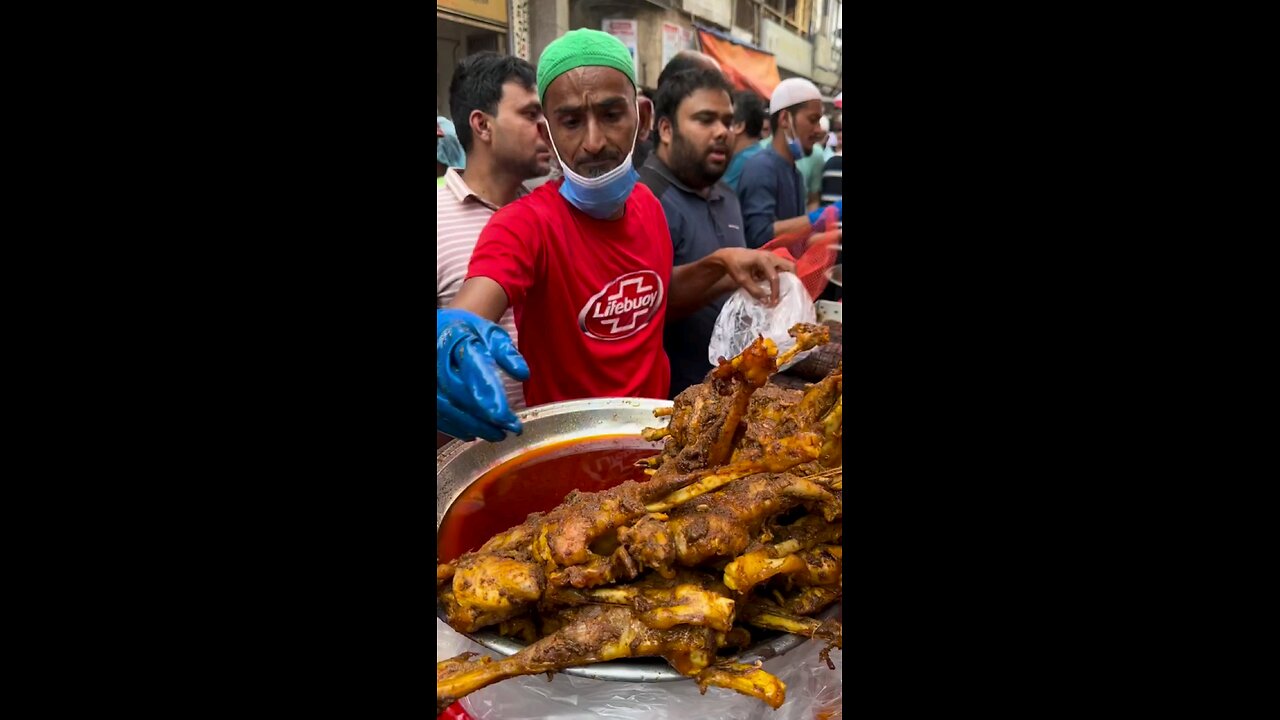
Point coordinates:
[(797, 151), (600, 197)]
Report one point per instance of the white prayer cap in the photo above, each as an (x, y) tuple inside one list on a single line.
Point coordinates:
[(792, 91)]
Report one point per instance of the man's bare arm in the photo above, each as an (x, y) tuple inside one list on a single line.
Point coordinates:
[(697, 283), (481, 296), (796, 224), (693, 285)]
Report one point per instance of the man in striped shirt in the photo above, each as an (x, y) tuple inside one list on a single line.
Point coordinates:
[(832, 180), (495, 113), (832, 193)]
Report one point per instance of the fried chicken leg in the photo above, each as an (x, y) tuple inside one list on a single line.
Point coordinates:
[(687, 598), (597, 633), (786, 454), (762, 561), (765, 614), (723, 524), (807, 336), (488, 588)]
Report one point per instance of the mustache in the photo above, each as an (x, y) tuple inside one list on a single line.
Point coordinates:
[(597, 165)]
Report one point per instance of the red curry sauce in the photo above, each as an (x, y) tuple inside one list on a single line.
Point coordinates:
[(537, 482)]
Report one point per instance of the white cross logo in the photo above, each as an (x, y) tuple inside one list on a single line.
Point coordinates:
[(641, 289)]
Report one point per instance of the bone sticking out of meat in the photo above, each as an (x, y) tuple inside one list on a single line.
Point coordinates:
[(791, 451), (595, 634), (807, 337), (766, 615), (746, 679), (687, 599), (723, 524)]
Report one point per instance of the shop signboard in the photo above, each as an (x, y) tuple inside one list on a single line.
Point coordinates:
[(495, 10), (675, 39), (626, 30)]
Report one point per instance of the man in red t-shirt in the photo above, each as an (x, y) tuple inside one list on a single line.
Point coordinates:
[(585, 262)]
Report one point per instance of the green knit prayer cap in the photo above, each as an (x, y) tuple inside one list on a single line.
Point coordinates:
[(582, 48)]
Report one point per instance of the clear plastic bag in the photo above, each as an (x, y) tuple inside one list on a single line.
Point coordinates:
[(814, 692), (743, 318)]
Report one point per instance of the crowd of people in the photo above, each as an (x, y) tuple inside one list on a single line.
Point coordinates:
[(588, 235)]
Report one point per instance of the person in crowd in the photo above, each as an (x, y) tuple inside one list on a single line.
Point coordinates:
[(749, 119), (827, 140), (586, 262), (449, 151), (833, 193), (832, 187), (694, 116), (496, 113), (810, 166), (681, 61), (772, 190)]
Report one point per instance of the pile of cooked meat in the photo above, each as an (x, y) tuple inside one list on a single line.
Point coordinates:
[(737, 530)]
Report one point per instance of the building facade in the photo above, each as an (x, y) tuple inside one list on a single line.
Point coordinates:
[(804, 36)]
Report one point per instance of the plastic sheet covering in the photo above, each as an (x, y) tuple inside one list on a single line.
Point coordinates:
[(813, 692), (746, 69), (743, 318)]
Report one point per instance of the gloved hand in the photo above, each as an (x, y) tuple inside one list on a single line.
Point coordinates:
[(817, 214), (470, 401)]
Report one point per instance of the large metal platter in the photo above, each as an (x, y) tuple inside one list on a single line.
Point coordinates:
[(459, 464)]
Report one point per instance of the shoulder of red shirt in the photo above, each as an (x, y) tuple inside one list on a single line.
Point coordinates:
[(548, 193)]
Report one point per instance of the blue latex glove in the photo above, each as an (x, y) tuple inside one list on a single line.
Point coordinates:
[(470, 401), (817, 214)]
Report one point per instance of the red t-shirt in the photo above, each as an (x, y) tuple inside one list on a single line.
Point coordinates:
[(590, 296)]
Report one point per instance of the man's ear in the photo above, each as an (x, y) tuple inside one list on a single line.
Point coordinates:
[(480, 127), (646, 119), (666, 133), (738, 128)]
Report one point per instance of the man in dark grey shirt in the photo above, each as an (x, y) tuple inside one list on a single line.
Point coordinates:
[(694, 112)]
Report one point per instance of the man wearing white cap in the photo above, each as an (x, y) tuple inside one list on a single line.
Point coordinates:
[(772, 191)]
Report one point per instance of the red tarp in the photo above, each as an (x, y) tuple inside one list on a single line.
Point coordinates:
[(747, 69)]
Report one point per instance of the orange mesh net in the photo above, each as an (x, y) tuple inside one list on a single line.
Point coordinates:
[(811, 250)]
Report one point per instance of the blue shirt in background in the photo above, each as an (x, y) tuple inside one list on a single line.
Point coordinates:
[(771, 189), (734, 172)]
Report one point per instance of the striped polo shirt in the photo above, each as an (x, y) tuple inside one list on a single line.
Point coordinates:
[(460, 216), (832, 180)]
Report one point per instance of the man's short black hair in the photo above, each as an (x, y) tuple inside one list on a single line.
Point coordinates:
[(683, 84), (477, 85), (683, 61), (750, 110)]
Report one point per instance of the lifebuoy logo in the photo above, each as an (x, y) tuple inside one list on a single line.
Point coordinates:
[(623, 308)]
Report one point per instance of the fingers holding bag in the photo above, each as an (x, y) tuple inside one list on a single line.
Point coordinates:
[(743, 318)]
